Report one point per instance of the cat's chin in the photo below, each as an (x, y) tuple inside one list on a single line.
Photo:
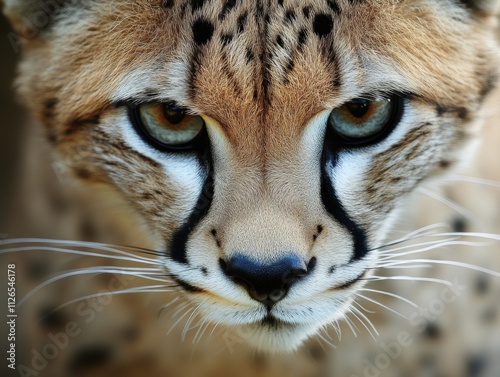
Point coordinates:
[(275, 336)]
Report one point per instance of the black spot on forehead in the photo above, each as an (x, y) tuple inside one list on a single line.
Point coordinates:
[(302, 38), (168, 4), (228, 6), (322, 25), (197, 4), (242, 21), (249, 55), (306, 11), (225, 39), (202, 31), (279, 41), (332, 4), (290, 15)]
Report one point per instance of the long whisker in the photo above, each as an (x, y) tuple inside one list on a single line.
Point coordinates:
[(129, 257), (416, 234), (200, 332), (213, 330), (179, 319), (474, 180), (390, 255), (447, 263), (164, 307), (351, 325), (143, 289), (143, 273), (84, 244), (389, 294), (382, 305), (325, 340), (188, 322), (410, 278), (355, 310), (336, 328), (450, 203), (421, 244)]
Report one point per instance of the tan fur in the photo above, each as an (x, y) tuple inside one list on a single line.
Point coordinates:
[(262, 81)]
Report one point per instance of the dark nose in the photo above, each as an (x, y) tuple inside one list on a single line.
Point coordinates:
[(266, 283)]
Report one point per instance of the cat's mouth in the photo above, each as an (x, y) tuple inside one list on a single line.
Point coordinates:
[(272, 334), (272, 322)]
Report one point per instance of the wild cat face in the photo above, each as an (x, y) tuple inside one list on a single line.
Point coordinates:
[(266, 145)]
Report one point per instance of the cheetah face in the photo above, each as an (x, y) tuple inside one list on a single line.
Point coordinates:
[(267, 146)]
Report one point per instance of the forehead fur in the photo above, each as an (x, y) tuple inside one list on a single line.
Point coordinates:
[(266, 62)]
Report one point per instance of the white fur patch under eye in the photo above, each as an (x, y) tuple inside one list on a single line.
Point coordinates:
[(185, 170)]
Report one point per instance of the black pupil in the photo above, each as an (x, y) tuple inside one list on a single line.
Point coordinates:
[(358, 107), (174, 114)]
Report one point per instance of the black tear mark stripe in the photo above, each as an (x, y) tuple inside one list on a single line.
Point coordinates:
[(177, 250), (336, 209)]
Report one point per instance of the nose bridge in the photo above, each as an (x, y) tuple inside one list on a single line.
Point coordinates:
[(264, 232)]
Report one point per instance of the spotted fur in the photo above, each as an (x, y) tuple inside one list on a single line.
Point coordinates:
[(264, 75)]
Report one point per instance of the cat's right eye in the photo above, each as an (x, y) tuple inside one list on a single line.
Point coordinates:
[(167, 126), (363, 121)]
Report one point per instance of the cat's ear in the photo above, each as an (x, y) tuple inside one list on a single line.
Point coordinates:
[(483, 8), (30, 17)]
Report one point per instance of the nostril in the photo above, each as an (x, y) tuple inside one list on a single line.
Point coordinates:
[(311, 265), (294, 275), (223, 265)]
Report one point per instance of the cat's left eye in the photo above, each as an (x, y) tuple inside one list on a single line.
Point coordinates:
[(167, 126), (363, 121)]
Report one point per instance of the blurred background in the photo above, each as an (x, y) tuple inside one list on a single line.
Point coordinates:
[(11, 127)]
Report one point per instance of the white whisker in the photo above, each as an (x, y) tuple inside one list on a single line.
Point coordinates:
[(390, 294), (131, 271), (416, 234), (450, 203), (143, 289), (410, 278), (188, 322), (336, 328), (132, 258), (474, 180), (390, 256), (448, 263), (355, 310), (325, 340), (406, 247), (380, 304), (351, 325), (179, 319), (213, 330)]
